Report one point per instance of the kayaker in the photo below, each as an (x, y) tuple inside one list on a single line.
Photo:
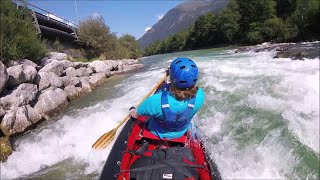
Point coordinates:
[(171, 111)]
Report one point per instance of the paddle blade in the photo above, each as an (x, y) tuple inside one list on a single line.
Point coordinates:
[(104, 140)]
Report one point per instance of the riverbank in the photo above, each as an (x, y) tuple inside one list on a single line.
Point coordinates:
[(294, 51), (31, 93)]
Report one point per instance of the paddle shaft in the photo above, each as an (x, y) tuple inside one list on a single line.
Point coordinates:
[(144, 98)]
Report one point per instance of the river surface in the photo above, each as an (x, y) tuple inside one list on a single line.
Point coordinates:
[(260, 119)]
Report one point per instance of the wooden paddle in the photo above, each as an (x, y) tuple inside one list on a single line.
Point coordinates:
[(107, 137)]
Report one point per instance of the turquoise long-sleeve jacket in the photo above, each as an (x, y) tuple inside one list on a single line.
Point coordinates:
[(152, 107)]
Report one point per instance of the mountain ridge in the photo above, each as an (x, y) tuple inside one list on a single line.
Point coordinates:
[(180, 18)]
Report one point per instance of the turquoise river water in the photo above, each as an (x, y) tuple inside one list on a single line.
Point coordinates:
[(260, 119)]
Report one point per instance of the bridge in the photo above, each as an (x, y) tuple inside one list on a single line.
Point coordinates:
[(49, 25)]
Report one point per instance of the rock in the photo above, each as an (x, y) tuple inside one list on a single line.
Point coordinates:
[(46, 61), (113, 64), (131, 68), (26, 62), (72, 92), (100, 67), (20, 74), (33, 115), (85, 85), (71, 72), (78, 65), (8, 121), (56, 67), (84, 72), (3, 76), (120, 66), (58, 56), (48, 79), (298, 56), (130, 61), (5, 148), (19, 119), (54, 56), (70, 81), (51, 102), (23, 94), (2, 112), (97, 79)]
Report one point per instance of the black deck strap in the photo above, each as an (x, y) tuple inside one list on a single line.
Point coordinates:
[(173, 165), (150, 167)]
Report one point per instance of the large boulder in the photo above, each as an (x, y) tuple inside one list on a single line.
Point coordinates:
[(5, 148), (80, 64), (2, 112), (46, 61), (131, 68), (48, 79), (20, 74), (82, 71), (72, 92), (3, 76), (58, 56), (113, 64), (71, 72), (23, 94), (97, 79), (120, 66), (51, 102), (57, 67), (100, 67), (70, 81), (26, 62), (53, 56), (130, 61), (85, 85), (19, 119)]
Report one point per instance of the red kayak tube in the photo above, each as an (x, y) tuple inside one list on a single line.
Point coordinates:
[(138, 154)]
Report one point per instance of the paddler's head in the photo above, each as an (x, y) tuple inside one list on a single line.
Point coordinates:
[(183, 75)]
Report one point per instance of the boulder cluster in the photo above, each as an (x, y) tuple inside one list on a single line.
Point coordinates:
[(30, 92)]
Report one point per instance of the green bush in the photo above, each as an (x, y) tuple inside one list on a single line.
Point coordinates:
[(129, 47), (275, 30), (101, 43), (57, 46), (98, 38), (18, 35)]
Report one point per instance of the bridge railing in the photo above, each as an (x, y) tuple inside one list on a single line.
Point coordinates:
[(46, 13)]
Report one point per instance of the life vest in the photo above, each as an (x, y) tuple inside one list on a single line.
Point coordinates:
[(172, 121)]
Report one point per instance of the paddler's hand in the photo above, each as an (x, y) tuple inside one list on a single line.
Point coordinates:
[(133, 112), (167, 71)]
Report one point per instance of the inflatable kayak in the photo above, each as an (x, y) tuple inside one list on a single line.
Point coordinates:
[(137, 154)]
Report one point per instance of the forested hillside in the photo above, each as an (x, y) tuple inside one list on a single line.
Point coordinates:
[(180, 18), (247, 22)]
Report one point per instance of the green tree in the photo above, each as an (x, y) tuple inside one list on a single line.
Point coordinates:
[(152, 49), (19, 38), (96, 35), (305, 19), (204, 32), (228, 21), (130, 46), (176, 42), (254, 11), (285, 8), (254, 36), (274, 29)]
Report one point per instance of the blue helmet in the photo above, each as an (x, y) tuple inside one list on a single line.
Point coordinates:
[(183, 73)]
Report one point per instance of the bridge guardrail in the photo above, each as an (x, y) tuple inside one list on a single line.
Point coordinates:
[(48, 14)]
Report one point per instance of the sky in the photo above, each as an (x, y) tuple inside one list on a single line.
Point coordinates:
[(134, 17)]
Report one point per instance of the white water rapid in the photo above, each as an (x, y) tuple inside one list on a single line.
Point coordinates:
[(260, 119)]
